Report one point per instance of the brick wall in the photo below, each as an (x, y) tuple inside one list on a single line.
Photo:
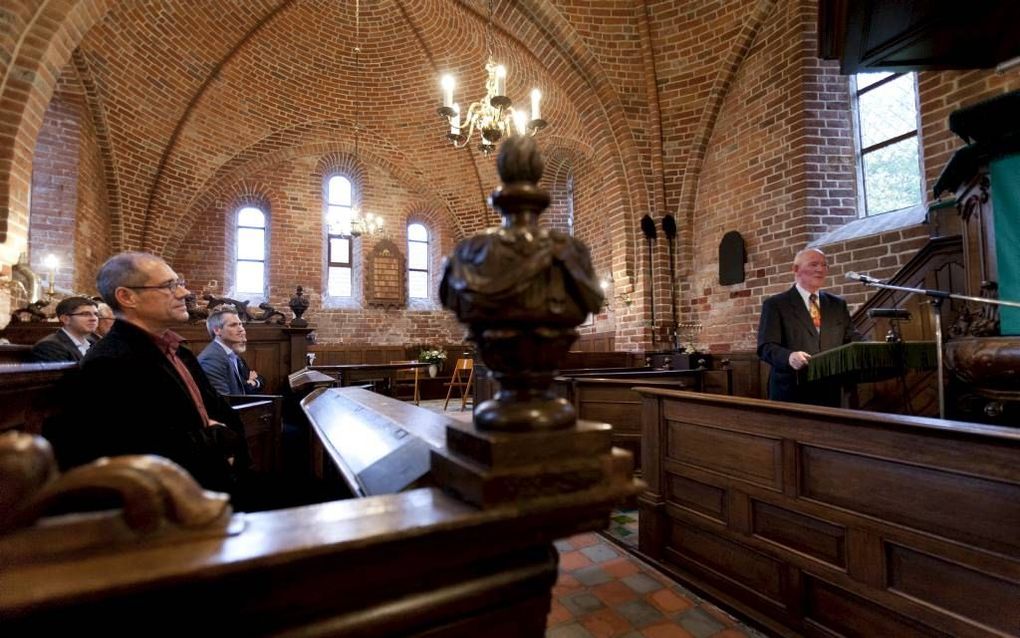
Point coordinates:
[(292, 196), (713, 110), (55, 188)]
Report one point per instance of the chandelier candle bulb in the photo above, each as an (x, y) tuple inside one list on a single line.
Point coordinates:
[(536, 95), (448, 84), (500, 81), (455, 120)]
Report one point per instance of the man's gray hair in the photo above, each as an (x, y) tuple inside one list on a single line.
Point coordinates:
[(803, 251), (218, 317), (123, 269)]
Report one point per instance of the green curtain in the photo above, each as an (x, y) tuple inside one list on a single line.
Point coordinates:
[(1005, 179), (869, 361)]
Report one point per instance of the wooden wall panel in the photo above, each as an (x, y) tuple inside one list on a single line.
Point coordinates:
[(755, 459), (811, 536), (973, 594), (989, 516), (833, 522), (843, 613)]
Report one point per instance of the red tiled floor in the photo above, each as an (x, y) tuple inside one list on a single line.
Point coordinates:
[(669, 601), (666, 631), (613, 593), (605, 623), (557, 614), (571, 561), (584, 540), (616, 608), (566, 585), (620, 567)]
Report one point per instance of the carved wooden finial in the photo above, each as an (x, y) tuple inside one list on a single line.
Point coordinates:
[(519, 160)]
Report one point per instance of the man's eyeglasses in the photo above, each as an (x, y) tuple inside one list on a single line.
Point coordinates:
[(171, 285), (84, 314)]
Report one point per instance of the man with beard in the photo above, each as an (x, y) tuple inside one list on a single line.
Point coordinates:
[(221, 359), (156, 399)]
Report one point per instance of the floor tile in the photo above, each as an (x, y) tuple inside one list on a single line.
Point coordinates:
[(642, 583), (700, 623), (639, 613), (613, 593), (581, 604), (606, 624), (584, 540), (600, 553), (572, 561), (594, 575), (572, 630), (620, 567), (667, 630), (670, 602), (558, 614)]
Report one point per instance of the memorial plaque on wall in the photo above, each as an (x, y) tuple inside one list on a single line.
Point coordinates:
[(385, 281)]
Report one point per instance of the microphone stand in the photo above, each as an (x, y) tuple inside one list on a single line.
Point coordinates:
[(937, 297)]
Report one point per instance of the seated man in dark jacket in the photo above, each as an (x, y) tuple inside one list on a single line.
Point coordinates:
[(154, 395), (79, 318), (221, 359)]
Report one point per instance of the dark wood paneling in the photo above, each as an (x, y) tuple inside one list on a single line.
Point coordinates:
[(811, 536), (839, 611), (756, 573), (834, 522), (704, 499), (755, 459), (989, 516), (973, 594)]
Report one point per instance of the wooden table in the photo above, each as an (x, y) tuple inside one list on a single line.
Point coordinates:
[(379, 375)]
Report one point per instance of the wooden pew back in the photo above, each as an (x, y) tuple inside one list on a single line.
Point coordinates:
[(833, 521)]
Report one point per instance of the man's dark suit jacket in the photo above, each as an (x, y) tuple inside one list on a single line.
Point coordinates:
[(216, 363), (57, 347), (786, 327), (127, 398)]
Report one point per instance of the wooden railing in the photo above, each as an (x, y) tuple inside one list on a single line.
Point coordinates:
[(834, 522)]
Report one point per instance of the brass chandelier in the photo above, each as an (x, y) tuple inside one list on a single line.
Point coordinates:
[(493, 117)]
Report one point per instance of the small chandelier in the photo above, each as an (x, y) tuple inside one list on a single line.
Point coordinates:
[(493, 116)]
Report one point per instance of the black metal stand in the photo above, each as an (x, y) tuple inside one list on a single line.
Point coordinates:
[(937, 297)]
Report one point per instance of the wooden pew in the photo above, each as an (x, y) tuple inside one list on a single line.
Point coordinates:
[(824, 521), (274, 350), (418, 563)]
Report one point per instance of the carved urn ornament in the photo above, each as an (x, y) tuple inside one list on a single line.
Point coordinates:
[(298, 304), (522, 290)]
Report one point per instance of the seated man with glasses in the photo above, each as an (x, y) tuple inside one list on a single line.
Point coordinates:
[(78, 317), (154, 395), (221, 359)]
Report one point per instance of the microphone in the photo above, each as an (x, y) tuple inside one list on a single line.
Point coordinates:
[(864, 279)]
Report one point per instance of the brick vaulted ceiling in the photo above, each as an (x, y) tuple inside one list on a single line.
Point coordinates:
[(190, 95)]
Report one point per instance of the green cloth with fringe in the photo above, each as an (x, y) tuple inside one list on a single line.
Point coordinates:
[(869, 361)]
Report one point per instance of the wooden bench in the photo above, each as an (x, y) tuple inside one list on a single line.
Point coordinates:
[(421, 562), (825, 521)]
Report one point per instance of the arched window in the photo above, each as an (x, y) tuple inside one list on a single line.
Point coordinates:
[(886, 117), (339, 212), (250, 268), (417, 261), (570, 204)]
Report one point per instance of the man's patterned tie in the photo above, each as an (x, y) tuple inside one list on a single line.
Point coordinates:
[(816, 312)]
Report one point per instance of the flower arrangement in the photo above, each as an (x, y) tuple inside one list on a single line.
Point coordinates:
[(432, 355)]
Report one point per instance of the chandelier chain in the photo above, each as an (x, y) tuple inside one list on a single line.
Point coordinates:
[(488, 32)]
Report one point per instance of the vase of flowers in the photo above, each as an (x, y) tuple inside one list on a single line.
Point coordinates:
[(434, 357)]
